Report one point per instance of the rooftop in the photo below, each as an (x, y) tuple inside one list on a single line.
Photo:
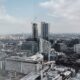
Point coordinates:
[(33, 59)]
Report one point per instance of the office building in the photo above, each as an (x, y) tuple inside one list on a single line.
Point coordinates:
[(45, 48), (63, 47), (53, 55), (35, 31), (44, 30), (77, 48), (31, 47)]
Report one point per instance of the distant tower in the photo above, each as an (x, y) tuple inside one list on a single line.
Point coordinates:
[(44, 30), (35, 31)]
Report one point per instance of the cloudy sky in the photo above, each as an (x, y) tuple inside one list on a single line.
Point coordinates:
[(16, 16)]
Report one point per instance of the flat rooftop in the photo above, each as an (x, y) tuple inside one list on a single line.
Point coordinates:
[(33, 59)]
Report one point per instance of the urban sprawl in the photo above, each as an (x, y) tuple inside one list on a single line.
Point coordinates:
[(45, 56)]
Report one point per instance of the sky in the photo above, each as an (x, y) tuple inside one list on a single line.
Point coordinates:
[(17, 16)]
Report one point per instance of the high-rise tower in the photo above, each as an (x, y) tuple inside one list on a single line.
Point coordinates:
[(44, 30), (35, 31)]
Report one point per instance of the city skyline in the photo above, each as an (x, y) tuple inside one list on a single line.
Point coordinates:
[(17, 16)]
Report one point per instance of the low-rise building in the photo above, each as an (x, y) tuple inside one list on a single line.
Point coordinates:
[(53, 75), (2, 57), (24, 65), (63, 47), (77, 48), (53, 55)]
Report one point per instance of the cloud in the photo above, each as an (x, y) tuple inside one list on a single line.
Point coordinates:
[(63, 8), (4, 16), (12, 24), (65, 15)]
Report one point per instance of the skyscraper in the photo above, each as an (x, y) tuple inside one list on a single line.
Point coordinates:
[(44, 30), (35, 31)]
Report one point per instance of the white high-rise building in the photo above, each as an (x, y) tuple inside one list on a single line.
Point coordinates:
[(45, 46)]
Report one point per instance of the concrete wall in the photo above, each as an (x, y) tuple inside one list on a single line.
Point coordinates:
[(0, 64), (21, 67)]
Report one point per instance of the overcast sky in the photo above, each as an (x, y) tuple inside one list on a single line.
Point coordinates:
[(16, 16)]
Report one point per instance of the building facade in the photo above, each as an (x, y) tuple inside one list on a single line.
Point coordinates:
[(30, 46), (35, 31), (24, 65), (77, 48), (45, 48), (44, 30)]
